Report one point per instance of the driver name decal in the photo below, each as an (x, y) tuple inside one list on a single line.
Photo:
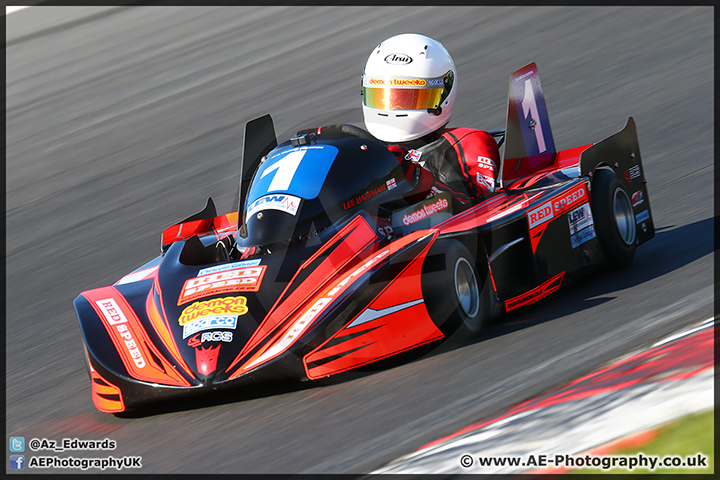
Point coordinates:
[(246, 279), (365, 196)]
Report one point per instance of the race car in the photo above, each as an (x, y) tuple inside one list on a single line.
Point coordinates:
[(327, 267)]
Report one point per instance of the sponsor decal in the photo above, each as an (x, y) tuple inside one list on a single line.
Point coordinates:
[(282, 202), (535, 294), (199, 338), (562, 203), (485, 181), (426, 211), (115, 317), (391, 184), (582, 227), (637, 198), (541, 214), (398, 59), (229, 266), (365, 196), (219, 306), (386, 231), (407, 82), (580, 218), (642, 216), (397, 82), (206, 359), (582, 236), (111, 311), (484, 162), (556, 206), (414, 156), (209, 323), (247, 279), (433, 191), (632, 173)]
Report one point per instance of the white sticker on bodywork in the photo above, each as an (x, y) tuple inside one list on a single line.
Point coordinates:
[(581, 223), (580, 218), (283, 202)]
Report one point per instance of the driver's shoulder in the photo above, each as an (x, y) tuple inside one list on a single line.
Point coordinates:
[(465, 133)]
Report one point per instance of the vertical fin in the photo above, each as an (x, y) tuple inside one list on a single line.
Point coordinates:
[(259, 140), (528, 133)]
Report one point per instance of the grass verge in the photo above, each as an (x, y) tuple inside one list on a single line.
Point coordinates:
[(686, 437)]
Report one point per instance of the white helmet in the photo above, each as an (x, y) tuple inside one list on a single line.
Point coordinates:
[(409, 88)]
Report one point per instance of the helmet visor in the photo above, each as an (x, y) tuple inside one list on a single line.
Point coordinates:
[(402, 93), (402, 98)]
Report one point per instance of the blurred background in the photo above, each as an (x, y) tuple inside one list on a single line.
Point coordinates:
[(121, 121)]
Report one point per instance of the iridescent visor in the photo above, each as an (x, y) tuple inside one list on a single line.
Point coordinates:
[(388, 98), (402, 93)]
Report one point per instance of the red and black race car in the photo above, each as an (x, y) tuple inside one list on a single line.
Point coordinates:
[(327, 267)]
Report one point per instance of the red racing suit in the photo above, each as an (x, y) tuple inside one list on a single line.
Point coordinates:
[(463, 160)]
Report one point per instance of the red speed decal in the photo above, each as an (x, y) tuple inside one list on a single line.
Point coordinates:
[(136, 351), (553, 208), (245, 279), (557, 206)]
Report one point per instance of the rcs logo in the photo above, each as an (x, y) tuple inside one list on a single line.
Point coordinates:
[(198, 339)]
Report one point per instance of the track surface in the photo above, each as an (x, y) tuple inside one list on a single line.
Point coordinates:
[(121, 122)]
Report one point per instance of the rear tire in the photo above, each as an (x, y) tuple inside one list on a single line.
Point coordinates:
[(453, 290), (614, 219)]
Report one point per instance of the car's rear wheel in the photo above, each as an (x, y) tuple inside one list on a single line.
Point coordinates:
[(452, 289), (614, 219)]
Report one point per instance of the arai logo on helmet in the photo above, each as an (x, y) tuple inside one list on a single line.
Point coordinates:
[(398, 59)]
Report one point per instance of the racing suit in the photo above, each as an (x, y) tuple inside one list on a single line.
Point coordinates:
[(462, 160)]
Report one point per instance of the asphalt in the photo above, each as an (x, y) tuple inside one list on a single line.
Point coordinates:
[(122, 121)]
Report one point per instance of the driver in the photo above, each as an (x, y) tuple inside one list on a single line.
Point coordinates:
[(409, 86)]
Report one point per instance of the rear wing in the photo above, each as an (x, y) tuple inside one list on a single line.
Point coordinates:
[(621, 154), (529, 144)]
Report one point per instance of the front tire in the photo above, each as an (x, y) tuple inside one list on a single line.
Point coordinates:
[(614, 219), (453, 290)]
